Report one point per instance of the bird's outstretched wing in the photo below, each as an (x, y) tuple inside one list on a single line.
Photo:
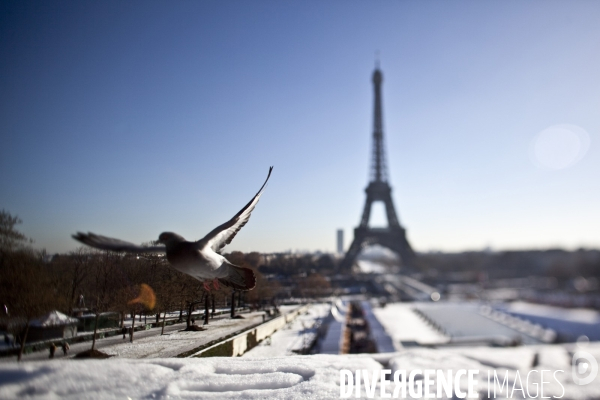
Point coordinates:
[(223, 234), (106, 243)]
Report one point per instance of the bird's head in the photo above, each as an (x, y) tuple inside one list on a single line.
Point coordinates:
[(167, 238)]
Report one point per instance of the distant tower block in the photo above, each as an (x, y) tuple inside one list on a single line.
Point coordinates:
[(394, 236), (340, 241)]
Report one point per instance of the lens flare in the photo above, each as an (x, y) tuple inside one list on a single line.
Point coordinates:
[(146, 297), (559, 146)]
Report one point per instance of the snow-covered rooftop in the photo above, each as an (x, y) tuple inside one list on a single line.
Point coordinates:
[(54, 318)]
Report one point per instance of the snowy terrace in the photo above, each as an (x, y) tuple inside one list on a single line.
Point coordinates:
[(290, 377), (149, 343), (410, 337)]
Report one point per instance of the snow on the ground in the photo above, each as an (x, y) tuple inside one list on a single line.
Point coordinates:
[(463, 321), (368, 266), (516, 363), (583, 315), (569, 323), (285, 340), (151, 344), (332, 342), (384, 342), (179, 341), (291, 377), (403, 325), (294, 377), (267, 372)]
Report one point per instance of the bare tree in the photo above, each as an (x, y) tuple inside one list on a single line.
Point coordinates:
[(27, 290), (10, 238), (314, 286), (70, 272), (103, 289)]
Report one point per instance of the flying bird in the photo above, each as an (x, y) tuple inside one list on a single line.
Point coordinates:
[(201, 259)]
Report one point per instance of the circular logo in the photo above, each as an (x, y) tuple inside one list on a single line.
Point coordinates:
[(584, 368)]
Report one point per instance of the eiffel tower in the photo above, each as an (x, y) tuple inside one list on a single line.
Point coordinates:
[(394, 236)]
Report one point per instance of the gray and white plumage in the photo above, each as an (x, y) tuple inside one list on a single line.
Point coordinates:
[(200, 259)]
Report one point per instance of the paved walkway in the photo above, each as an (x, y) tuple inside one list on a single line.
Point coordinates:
[(151, 344)]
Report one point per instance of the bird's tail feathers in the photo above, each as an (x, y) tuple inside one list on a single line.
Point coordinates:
[(239, 278)]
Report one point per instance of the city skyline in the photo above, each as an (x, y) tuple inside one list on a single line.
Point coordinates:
[(130, 119)]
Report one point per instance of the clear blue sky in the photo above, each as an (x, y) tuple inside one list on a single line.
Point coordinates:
[(130, 118)]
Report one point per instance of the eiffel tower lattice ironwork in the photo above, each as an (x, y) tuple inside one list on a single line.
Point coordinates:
[(394, 236)]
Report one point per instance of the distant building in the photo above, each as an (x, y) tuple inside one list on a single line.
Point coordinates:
[(340, 241), (87, 322), (54, 325)]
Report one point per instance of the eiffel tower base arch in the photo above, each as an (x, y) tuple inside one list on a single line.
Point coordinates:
[(394, 238)]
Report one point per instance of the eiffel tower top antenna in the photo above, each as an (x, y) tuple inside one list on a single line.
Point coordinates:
[(378, 166)]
